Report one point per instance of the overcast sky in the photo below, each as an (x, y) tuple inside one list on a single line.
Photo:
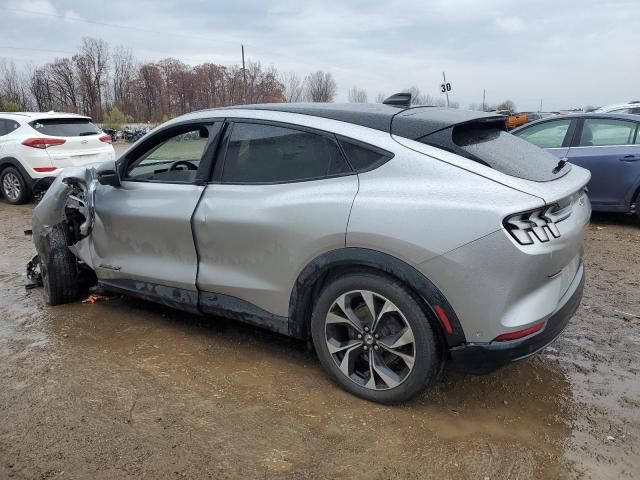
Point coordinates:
[(567, 53)]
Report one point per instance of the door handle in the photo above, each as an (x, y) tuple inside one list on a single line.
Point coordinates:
[(630, 158)]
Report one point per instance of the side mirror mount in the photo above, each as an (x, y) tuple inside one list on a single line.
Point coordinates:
[(107, 174)]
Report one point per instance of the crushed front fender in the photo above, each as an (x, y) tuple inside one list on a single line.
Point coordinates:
[(69, 202)]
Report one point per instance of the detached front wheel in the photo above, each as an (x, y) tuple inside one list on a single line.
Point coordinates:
[(374, 338), (59, 268)]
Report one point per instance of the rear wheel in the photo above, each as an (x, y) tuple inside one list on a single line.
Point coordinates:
[(374, 338), (14, 186), (59, 270)]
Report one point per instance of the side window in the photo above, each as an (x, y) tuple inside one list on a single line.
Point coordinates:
[(598, 132), (3, 127), (547, 134), (363, 158), (259, 153), (175, 159)]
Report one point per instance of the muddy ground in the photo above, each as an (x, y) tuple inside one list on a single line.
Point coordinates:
[(127, 389)]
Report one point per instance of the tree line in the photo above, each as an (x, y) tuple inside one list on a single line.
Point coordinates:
[(106, 83)]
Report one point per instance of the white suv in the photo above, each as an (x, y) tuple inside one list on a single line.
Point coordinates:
[(35, 147)]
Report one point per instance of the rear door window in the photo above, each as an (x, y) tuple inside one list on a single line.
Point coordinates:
[(547, 134), (600, 132), (260, 153), (65, 127)]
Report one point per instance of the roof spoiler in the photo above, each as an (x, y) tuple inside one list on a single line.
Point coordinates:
[(402, 99)]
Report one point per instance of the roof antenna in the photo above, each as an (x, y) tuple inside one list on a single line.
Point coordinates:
[(402, 99)]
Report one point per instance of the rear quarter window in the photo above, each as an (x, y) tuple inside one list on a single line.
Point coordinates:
[(65, 127), (364, 158), (8, 126)]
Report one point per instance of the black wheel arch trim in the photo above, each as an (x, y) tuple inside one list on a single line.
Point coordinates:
[(306, 283), (14, 162)]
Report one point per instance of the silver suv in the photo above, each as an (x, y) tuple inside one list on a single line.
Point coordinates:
[(398, 239)]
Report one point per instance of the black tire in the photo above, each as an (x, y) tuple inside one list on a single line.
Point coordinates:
[(427, 358), (14, 187), (60, 270)]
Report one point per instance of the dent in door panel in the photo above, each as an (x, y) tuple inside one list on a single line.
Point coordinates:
[(254, 239)]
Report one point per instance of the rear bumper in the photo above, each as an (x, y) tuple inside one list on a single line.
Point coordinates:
[(479, 358)]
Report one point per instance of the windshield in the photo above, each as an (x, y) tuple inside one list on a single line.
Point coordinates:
[(65, 127)]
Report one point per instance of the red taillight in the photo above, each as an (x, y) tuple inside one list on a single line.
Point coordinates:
[(43, 143), (520, 333), (44, 169), (105, 138), (443, 319)]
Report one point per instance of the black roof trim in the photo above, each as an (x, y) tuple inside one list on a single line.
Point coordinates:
[(411, 122)]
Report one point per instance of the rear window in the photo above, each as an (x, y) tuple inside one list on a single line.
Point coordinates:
[(65, 127), (500, 150)]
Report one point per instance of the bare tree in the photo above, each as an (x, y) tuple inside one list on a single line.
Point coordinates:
[(293, 87), (417, 97), (63, 83), (13, 86), (123, 73), (92, 67), (357, 95), (506, 105), (380, 97), (93, 82), (320, 87)]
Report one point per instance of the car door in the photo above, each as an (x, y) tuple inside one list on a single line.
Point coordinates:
[(608, 147), (142, 238), (552, 135), (280, 196)]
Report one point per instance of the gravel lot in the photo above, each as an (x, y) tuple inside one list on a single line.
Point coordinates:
[(128, 389)]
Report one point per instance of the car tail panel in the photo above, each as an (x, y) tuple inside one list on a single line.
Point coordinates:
[(72, 141)]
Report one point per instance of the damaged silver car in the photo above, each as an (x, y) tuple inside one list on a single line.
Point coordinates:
[(398, 239)]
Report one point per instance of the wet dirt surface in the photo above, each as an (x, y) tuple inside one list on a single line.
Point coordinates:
[(128, 389)]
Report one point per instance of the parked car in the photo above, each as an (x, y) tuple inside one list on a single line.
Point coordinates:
[(607, 144), (533, 116), (395, 238), (513, 119), (112, 133), (35, 147), (631, 107)]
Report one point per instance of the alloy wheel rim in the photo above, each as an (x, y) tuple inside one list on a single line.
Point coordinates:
[(11, 186), (370, 340)]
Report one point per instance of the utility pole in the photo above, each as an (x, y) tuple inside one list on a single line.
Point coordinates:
[(540, 105), (484, 91), (447, 88), (244, 75)]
